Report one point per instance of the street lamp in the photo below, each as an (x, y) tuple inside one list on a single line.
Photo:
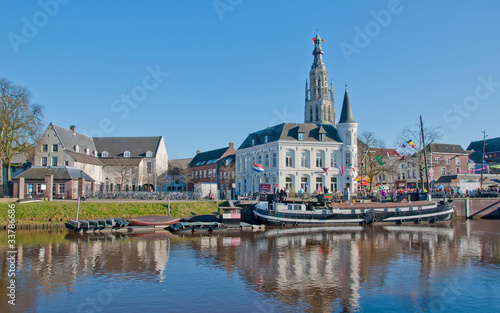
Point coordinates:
[(482, 163)]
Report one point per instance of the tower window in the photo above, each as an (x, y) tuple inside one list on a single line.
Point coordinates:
[(317, 113)]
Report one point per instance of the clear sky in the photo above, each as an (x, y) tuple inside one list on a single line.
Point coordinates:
[(204, 73)]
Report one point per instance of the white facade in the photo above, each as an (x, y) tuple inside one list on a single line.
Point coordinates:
[(298, 165)]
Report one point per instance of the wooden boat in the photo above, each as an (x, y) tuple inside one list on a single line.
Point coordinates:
[(296, 212), (153, 220), (196, 227)]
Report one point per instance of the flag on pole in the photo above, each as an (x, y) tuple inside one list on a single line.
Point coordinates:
[(363, 165), (341, 169), (388, 155), (410, 142), (324, 170), (380, 160), (404, 145), (352, 168), (397, 153), (258, 168), (374, 164)]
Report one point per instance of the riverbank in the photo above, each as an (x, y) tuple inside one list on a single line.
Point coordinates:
[(55, 213)]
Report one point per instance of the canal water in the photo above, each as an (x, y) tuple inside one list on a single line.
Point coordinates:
[(426, 268)]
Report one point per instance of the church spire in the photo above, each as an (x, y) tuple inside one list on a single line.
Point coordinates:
[(318, 52), (319, 107), (346, 114)]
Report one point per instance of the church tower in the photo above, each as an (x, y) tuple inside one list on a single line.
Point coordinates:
[(319, 107)]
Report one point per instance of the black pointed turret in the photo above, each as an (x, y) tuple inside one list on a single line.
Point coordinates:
[(346, 114)]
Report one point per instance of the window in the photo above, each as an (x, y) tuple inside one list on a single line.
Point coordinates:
[(205, 174), (403, 176), (333, 184), (149, 167), (402, 166), (66, 163), (322, 137), (253, 142), (44, 161), (54, 161), (274, 159), (55, 148), (348, 159), (303, 184), (266, 157), (317, 113), (266, 138), (457, 160), (259, 159), (319, 183), (414, 174), (45, 148), (87, 151), (333, 160), (301, 136), (104, 154), (196, 174), (304, 159), (210, 173), (61, 189), (149, 154), (77, 149), (126, 154), (443, 171), (437, 160), (288, 182), (319, 160), (94, 153), (347, 138), (447, 160), (289, 159)]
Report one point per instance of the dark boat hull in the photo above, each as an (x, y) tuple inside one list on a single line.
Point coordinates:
[(439, 213)]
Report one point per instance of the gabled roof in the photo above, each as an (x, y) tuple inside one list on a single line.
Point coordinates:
[(137, 146), (208, 157), (490, 145), (179, 163), (59, 172), (445, 148), (83, 158), (69, 139), (290, 131)]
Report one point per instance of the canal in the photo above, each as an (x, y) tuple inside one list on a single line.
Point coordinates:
[(426, 268)]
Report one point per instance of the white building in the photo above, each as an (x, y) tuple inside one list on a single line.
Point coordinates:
[(115, 163), (309, 156)]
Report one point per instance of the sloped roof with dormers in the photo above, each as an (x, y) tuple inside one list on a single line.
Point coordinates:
[(137, 146), (290, 131), (69, 139)]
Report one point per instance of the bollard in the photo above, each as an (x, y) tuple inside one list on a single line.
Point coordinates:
[(467, 208)]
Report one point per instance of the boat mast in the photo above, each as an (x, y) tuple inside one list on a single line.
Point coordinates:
[(425, 156)]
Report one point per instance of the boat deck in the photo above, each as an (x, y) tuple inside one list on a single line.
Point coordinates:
[(381, 205)]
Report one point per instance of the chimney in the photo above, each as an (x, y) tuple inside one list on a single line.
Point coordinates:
[(197, 151), (73, 129), (231, 146)]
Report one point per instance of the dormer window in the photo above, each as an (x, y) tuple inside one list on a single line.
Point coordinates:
[(104, 154), (266, 138), (95, 153), (322, 137), (77, 149), (149, 154), (126, 154), (301, 136), (87, 151), (253, 142)]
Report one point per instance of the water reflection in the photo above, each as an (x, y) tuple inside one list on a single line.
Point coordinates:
[(322, 269)]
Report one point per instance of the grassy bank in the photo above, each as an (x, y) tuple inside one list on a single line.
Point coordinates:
[(56, 212)]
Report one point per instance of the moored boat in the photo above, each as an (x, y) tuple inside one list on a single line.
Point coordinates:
[(185, 227), (294, 212), (153, 220)]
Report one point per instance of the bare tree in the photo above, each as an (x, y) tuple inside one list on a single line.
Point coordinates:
[(20, 123), (123, 173), (414, 133), (369, 147)]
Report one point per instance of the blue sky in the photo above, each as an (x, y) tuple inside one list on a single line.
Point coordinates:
[(204, 73)]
